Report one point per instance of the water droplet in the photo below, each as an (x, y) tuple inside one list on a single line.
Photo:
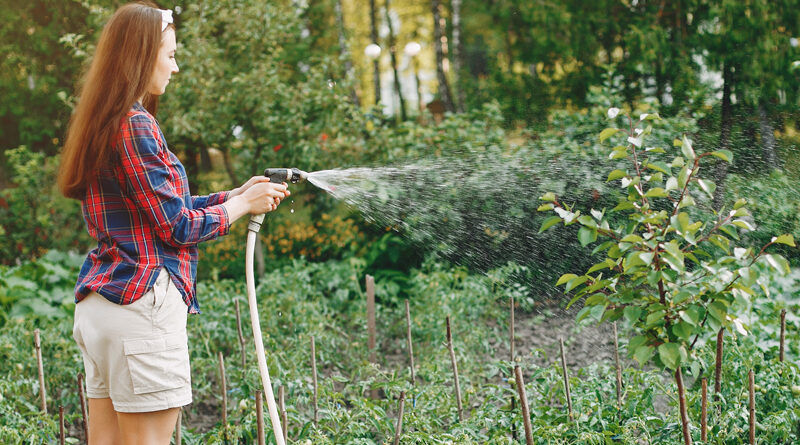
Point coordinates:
[(291, 211)]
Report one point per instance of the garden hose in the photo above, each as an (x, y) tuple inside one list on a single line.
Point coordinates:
[(278, 175)]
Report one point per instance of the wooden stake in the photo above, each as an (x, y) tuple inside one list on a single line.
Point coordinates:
[(284, 419), (260, 418), (718, 365), (455, 370), (618, 366), (241, 337), (783, 334), (398, 429), (371, 318), (410, 347), (512, 353), (704, 412), (178, 432), (37, 344), (566, 377), (687, 437), (371, 326), (752, 382), (224, 394), (61, 436), (523, 402), (314, 379), (84, 415), (512, 330)]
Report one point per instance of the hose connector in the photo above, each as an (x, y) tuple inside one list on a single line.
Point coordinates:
[(255, 222)]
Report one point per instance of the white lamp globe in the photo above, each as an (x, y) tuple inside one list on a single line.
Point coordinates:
[(372, 51), (412, 49)]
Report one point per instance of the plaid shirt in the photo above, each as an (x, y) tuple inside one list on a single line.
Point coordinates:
[(140, 212)]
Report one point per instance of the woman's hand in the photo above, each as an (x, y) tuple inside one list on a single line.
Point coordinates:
[(263, 196), (250, 182)]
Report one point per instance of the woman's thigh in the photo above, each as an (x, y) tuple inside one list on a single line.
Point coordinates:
[(150, 428), (103, 428)]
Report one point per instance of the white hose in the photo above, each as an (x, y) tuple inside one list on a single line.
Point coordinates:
[(253, 227)]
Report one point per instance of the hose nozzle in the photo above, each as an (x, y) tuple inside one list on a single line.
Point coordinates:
[(293, 175)]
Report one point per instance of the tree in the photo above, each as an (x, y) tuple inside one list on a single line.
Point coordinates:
[(672, 271)]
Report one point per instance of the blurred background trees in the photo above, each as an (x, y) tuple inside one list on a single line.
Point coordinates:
[(336, 83)]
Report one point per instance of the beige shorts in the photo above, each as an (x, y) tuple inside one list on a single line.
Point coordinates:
[(136, 354)]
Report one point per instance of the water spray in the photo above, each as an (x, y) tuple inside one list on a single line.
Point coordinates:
[(275, 175)]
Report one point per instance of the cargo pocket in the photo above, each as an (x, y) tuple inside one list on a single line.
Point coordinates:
[(158, 363)]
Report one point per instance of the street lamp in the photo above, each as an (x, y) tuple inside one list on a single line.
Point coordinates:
[(373, 51), (412, 49)]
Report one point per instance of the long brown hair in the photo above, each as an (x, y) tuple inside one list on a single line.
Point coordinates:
[(118, 76)]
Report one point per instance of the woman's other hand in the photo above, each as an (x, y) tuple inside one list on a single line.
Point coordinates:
[(250, 182)]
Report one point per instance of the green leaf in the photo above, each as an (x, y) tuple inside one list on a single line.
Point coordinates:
[(587, 235), (693, 314), (672, 183), (603, 246), (656, 192), (575, 282), (565, 278), (549, 222), (607, 133), (743, 224), (707, 186), (606, 264), (784, 239), (642, 354), (659, 166), (741, 202), (616, 174), (655, 319), (676, 264), (549, 196), (725, 155), (683, 176), (720, 241), (682, 330), (632, 238), (618, 154), (670, 355), (778, 262), (632, 313), (623, 205), (686, 149), (718, 310), (545, 207)]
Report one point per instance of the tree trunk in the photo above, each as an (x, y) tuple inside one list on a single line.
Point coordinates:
[(458, 54), (767, 138), (393, 54), (205, 159), (724, 134), (687, 437), (376, 72), (444, 88), (344, 53)]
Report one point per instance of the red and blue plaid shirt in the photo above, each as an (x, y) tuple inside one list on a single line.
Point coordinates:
[(139, 210)]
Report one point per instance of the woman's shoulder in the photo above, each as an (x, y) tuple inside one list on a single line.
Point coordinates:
[(138, 118)]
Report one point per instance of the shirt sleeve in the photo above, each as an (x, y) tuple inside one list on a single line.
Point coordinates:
[(150, 186), (199, 202)]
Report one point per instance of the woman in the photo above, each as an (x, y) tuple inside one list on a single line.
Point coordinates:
[(136, 287)]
